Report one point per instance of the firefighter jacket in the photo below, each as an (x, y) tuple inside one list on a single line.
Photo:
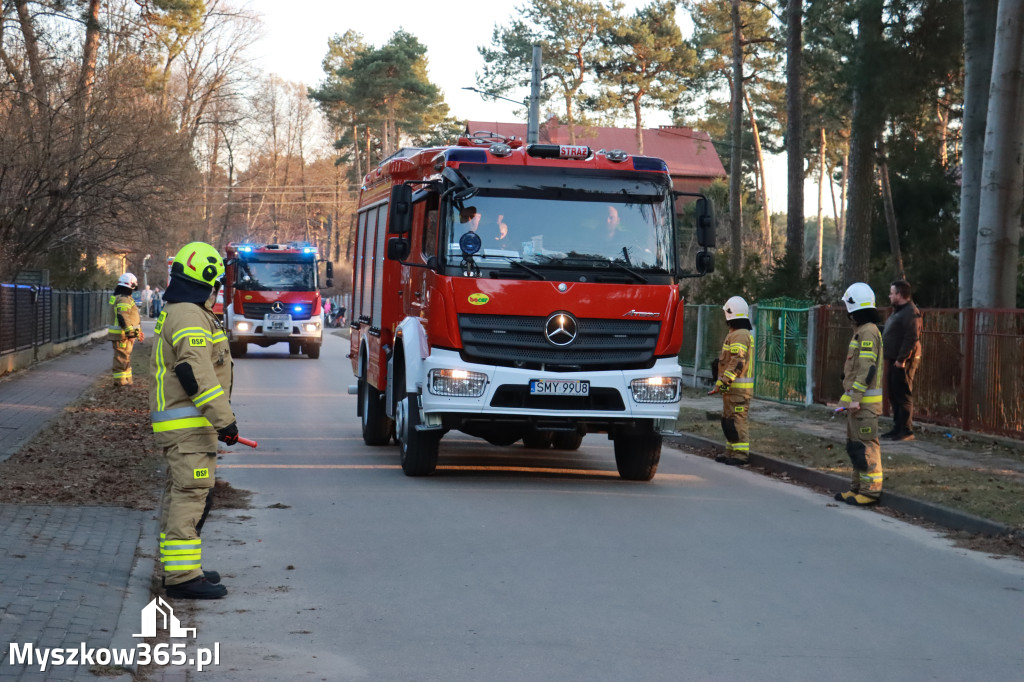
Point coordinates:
[(862, 377), (735, 364), (126, 321), (190, 379)]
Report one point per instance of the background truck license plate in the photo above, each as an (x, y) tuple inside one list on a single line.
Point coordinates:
[(551, 387), (279, 321)]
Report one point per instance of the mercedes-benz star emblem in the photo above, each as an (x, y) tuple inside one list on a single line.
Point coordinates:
[(560, 329), (277, 307)]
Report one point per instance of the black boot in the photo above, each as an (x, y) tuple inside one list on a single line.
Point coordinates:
[(212, 577), (197, 588)]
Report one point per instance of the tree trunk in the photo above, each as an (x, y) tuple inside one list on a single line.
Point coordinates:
[(638, 119), (355, 149), (867, 123), (794, 137), (979, 37), (890, 213), (35, 64), (841, 226), (1002, 175), (87, 76), (736, 133), (763, 193), (821, 201)]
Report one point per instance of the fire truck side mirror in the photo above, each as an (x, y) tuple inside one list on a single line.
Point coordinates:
[(400, 215), (705, 223), (398, 249), (705, 262)]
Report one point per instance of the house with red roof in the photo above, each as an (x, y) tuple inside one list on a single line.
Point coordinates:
[(692, 160)]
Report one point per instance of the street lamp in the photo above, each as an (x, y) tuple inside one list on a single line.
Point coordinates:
[(532, 102)]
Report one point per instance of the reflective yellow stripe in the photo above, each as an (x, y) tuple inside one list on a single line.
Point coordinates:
[(743, 382), (207, 396), (869, 354), (729, 375), (871, 399), (216, 337), (161, 372), (121, 375), (180, 543), (190, 423), (741, 447)]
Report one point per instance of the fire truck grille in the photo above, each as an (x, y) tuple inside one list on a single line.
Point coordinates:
[(298, 311), (520, 342)]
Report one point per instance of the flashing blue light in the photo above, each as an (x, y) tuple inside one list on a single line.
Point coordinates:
[(649, 163), (297, 308), (467, 155), (309, 249), (246, 249)]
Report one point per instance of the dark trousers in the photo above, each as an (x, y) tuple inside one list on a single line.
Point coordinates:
[(900, 383)]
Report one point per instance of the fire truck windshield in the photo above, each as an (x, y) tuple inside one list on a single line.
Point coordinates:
[(579, 230), (276, 276)]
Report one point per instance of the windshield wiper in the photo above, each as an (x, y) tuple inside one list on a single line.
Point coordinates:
[(570, 260), (633, 273), (517, 263)]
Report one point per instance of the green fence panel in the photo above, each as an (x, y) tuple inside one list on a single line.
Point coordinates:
[(780, 368)]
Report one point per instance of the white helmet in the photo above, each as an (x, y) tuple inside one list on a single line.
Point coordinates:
[(128, 280), (736, 308), (858, 296)]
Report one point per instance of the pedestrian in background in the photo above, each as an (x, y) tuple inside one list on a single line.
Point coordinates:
[(190, 405), (147, 301), (862, 397), (157, 303), (735, 381), (902, 343), (125, 328)]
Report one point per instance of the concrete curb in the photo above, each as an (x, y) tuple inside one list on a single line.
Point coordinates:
[(952, 519), (138, 592)]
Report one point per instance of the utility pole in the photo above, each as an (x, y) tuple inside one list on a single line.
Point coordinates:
[(533, 121)]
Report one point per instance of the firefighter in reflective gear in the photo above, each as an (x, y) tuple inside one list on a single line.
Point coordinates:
[(734, 380), (862, 397), (189, 402), (125, 327)]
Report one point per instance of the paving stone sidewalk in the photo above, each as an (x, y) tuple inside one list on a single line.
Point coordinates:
[(69, 575)]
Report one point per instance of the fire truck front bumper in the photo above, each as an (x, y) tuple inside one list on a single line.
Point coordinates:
[(452, 386), (263, 329)]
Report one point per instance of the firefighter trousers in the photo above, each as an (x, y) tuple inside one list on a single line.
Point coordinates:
[(735, 407), (865, 452), (122, 371), (186, 503)]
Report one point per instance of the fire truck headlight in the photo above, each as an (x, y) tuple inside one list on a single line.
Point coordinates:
[(242, 326), (311, 327), (655, 389), (457, 383)]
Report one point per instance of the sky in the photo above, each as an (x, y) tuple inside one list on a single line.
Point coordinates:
[(296, 32)]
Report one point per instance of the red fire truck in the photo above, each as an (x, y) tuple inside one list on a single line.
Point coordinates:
[(272, 296), (522, 292)]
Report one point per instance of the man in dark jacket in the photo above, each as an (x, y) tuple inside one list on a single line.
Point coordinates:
[(901, 343)]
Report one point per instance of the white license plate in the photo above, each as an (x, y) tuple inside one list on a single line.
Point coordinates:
[(278, 322), (553, 387)]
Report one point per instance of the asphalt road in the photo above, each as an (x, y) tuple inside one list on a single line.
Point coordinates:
[(511, 564)]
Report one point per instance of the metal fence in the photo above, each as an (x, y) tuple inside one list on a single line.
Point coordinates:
[(780, 345), (32, 316), (962, 351)]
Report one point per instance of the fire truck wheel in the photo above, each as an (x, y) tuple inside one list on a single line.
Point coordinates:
[(567, 440), (313, 351), (293, 347), (238, 348), (376, 424), (637, 455), (537, 440), (418, 448)]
